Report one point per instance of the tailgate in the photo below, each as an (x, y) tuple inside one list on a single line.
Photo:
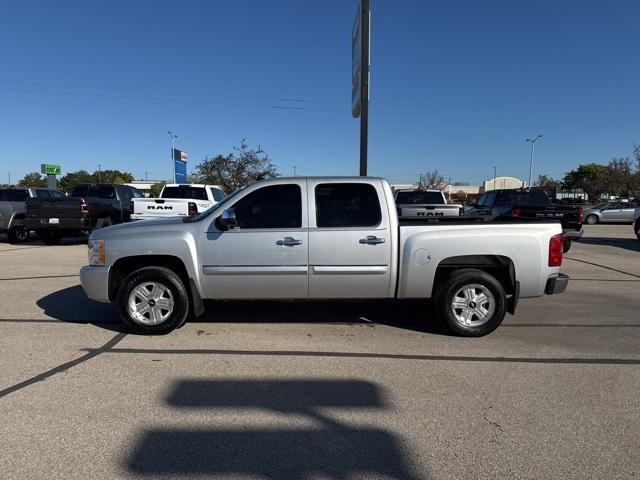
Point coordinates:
[(163, 207), (63, 207), (410, 211)]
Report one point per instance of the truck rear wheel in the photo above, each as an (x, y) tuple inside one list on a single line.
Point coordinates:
[(153, 301), (471, 303), (18, 234)]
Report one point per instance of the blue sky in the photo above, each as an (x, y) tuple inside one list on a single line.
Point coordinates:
[(455, 86)]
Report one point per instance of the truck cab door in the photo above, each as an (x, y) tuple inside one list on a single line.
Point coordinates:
[(266, 254), (350, 242)]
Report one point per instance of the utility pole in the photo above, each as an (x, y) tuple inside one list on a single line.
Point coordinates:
[(173, 149), (533, 143), (99, 173), (9, 179), (364, 88), (495, 169), (295, 168)]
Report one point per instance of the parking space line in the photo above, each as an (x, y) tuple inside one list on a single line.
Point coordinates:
[(603, 266), (391, 356), (36, 278), (65, 366)]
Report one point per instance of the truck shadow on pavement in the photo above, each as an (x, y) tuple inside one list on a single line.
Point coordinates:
[(328, 448), (623, 243), (71, 305)]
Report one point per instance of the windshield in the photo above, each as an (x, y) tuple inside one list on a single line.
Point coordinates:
[(419, 198), (222, 204), (185, 191)]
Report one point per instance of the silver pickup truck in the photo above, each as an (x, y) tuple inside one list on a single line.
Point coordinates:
[(321, 238)]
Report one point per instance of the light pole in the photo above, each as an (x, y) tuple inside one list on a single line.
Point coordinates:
[(533, 143), (173, 137), (99, 173), (495, 169)]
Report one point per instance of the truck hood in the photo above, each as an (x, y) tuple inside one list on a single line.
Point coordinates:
[(139, 227)]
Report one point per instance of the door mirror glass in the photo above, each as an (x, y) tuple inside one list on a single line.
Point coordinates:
[(227, 220)]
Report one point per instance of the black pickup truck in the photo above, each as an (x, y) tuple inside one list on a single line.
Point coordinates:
[(89, 207), (529, 203)]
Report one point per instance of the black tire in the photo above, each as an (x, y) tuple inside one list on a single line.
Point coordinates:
[(50, 236), (444, 297), (567, 245), (165, 278), (591, 220), (18, 234), (104, 222)]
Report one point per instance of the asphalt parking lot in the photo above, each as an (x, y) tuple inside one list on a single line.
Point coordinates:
[(293, 391)]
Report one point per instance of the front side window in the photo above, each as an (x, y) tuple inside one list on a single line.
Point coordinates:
[(57, 194), (276, 206), (347, 205), (100, 191)]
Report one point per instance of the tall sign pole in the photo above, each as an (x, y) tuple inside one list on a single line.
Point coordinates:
[(360, 43)]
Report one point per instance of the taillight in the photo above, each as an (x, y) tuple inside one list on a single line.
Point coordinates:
[(556, 245), (84, 209), (515, 212), (193, 209), (579, 215)]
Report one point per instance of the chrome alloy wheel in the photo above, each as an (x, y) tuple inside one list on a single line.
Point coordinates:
[(473, 305), (150, 303)]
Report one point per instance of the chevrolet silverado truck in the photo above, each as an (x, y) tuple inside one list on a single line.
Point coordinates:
[(321, 238), (177, 200), (90, 206), (425, 203), (530, 203), (13, 210)]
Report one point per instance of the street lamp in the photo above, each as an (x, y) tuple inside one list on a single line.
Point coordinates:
[(533, 143), (173, 137)]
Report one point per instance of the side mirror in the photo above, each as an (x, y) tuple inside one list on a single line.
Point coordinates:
[(228, 219)]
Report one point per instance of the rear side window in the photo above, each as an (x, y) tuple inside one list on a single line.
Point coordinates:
[(185, 191), (99, 191), (347, 205), (277, 206), (42, 194), (417, 198), (217, 194)]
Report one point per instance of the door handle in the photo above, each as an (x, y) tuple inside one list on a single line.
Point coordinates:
[(371, 240), (289, 242)]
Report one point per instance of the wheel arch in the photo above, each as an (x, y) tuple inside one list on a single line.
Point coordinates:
[(499, 266), (126, 265)]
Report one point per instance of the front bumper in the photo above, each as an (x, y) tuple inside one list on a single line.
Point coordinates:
[(95, 282), (556, 284), (573, 234)]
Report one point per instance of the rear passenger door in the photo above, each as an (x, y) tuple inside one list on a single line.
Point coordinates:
[(349, 240)]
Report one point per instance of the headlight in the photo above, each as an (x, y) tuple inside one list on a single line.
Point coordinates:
[(96, 252)]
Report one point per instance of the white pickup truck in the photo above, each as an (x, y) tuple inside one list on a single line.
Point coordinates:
[(177, 200), (425, 203), (321, 238)]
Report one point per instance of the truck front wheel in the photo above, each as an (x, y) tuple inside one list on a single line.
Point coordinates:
[(152, 301), (471, 302)]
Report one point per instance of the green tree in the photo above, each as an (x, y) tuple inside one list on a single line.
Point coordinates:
[(33, 179), (622, 176), (545, 181), (156, 188), (238, 168), (592, 178), (69, 181), (112, 176)]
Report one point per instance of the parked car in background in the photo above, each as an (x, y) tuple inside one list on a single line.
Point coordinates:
[(13, 210), (322, 238), (528, 203), (610, 212), (178, 200), (425, 203), (89, 207)]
